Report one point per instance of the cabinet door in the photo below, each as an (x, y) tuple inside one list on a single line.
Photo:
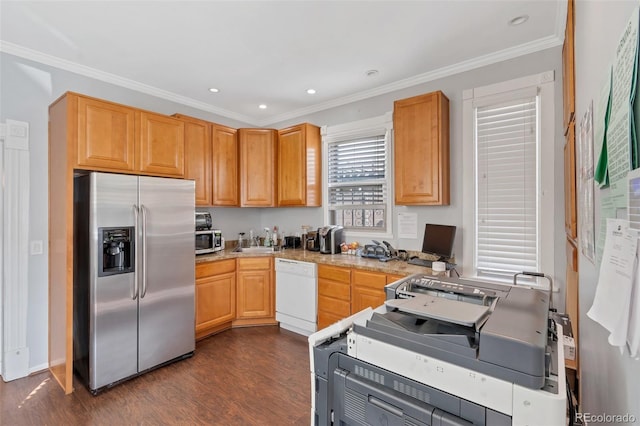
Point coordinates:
[(367, 289), (257, 167), (106, 135), (421, 147), (225, 166), (299, 166), (572, 296), (215, 296), (255, 295), (161, 145), (215, 301), (334, 294), (197, 158), (568, 68), (391, 278), (570, 201)]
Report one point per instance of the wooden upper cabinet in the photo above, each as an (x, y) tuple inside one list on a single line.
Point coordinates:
[(118, 138), (568, 68), (421, 150), (299, 166), (161, 144), (197, 156), (105, 134), (570, 199), (257, 167), (225, 166)]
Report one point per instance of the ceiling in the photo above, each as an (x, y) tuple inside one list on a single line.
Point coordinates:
[(271, 52)]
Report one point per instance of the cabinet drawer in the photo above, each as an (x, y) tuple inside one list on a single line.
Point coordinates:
[(375, 280), (394, 278), (325, 319), (254, 263), (334, 273), (215, 267), (337, 307), (334, 289)]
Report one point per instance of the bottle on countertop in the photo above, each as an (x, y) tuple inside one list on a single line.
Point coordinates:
[(267, 238), (274, 236)]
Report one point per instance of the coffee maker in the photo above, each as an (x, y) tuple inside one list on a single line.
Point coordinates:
[(329, 239)]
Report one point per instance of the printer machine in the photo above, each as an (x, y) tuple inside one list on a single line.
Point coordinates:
[(442, 351)]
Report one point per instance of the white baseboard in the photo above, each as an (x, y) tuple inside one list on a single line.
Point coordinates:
[(38, 368)]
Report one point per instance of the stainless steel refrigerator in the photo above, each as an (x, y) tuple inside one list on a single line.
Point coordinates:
[(134, 275)]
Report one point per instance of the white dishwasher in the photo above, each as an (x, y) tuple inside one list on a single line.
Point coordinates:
[(296, 295)]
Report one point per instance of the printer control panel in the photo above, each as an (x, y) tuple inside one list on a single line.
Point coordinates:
[(448, 287)]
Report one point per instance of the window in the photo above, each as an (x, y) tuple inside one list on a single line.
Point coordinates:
[(357, 159), (508, 179)]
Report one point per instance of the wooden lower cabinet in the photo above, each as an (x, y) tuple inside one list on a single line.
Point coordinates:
[(572, 296), (255, 298), (334, 294), (367, 288), (215, 296), (241, 292), (344, 291)]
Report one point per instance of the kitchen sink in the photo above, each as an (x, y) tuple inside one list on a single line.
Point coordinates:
[(253, 250)]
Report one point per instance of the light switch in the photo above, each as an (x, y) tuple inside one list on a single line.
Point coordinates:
[(36, 247)]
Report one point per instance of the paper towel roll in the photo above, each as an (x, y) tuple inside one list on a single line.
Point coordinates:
[(439, 268)]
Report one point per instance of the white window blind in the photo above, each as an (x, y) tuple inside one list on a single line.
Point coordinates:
[(507, 187), (357, 183)]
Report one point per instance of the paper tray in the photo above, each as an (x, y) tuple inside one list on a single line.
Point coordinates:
[(440, 308)]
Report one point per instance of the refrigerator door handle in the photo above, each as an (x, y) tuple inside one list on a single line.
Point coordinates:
[(134, 294), (143, 212)]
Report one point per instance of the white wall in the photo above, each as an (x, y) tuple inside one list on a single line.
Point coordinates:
[(453, 86), (28, 88), (609, 379)]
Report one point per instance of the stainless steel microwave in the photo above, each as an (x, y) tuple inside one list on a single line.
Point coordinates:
[(208, 241)]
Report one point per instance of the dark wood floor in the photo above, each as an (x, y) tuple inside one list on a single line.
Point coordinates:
[(244, 376)]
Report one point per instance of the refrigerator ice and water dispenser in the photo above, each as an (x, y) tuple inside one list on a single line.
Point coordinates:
[(116, 251)]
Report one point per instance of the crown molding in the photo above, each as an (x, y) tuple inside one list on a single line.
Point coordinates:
[(43, 58), (503, 55)]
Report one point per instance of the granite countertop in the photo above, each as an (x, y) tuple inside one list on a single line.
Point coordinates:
[(345, 260)]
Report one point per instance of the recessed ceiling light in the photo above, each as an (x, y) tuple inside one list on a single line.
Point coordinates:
[(519, 20), (262, 106), (311, 91), (213, 90)]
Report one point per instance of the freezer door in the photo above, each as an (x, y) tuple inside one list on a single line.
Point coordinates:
[(167, 287), (113, 308)]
